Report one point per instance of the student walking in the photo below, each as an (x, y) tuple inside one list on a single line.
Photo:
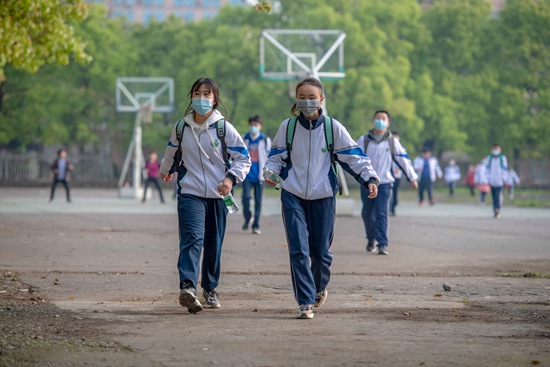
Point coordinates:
[(513, 180), (397, 176), (210, 157), (482, 184), (152, 166), (429, 171), (61, 168), (305, 151), (497, 176), (258, 145), (470, 179), (383, 150), (451, 176)]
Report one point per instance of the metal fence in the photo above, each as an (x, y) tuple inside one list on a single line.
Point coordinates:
[(91, 170), (35, 168)]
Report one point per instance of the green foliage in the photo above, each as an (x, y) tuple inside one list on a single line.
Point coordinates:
[(453, 75), (33, 33)]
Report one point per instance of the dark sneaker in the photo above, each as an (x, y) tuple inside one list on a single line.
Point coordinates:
[(305, 312), (320, 298), (245, 227), (497, 215), (383, 250), (188, 298), (211, 299), (370, 246)]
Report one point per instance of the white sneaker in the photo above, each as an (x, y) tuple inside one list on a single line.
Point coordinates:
[(188, 298), (321, 298), (256, 231), (305, 312)]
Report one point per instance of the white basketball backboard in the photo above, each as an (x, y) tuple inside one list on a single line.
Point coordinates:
[(290, 54), (133, 93)]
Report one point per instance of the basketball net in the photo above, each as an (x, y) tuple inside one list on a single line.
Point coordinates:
[(146, 114)]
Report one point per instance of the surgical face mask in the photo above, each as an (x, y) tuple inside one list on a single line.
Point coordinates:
[(495, 151), (201, 105), (253, 129), (308, 106), (380, 124)]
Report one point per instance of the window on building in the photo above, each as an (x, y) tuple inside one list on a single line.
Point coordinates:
[(148, 15), (158, 2), (147, 2), (189, 16), (237, 2), (159, 16), (208, 14), (211, 3)]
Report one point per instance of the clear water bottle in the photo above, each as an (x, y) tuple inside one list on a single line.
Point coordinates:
[(231, 204), (273, 176)]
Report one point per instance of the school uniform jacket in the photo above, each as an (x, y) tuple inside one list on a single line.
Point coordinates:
[(202, 176), (435, 169), (382, 160), (309, 174), (264, 147), (497, 170)]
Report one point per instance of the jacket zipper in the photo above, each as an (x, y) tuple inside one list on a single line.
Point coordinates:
[(309, 160), (202, 165)]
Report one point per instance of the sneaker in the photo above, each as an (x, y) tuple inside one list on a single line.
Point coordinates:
[(370, 246), (256, 231), (420, 203), (320, 298), (305, 312), (497, 215), (245, 227), (211, 299), (188, 298), (383, 251)]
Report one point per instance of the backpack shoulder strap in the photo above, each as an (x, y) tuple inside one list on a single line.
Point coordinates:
[(365, 142), (329, 136), (180, 125), (220, 132), (290, 131), (391, 141)]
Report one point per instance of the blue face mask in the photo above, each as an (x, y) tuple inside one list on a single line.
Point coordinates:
[(201, 105), (495, 152), (380, 125), (253, 130)]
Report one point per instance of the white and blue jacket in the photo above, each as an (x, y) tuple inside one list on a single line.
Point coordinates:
[(308, 173), (203, 166), (497, 170), (382, 160), (264, 147), (435, 169)]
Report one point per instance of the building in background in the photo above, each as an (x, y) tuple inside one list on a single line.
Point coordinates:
[(145, 11)]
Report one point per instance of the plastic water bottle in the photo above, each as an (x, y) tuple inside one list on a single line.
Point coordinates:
[(273, 176), (231, 204)]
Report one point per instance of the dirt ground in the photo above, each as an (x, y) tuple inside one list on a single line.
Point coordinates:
[(94, 283)]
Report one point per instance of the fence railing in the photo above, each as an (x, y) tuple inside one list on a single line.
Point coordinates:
[(33, 167), (92, 169)]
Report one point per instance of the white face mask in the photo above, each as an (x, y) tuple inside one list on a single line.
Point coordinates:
[(308, 106)]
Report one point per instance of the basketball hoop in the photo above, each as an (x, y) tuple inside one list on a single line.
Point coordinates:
[(146, 114)]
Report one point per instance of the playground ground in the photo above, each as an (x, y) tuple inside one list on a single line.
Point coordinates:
[(94, 283)]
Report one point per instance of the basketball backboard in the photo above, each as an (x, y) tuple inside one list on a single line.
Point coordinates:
[(290, 54), (133, 93)]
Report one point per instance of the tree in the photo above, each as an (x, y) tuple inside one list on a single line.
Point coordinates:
[(36, 32)]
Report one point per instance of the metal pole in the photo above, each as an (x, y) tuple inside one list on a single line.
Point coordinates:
[(138, 155)]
